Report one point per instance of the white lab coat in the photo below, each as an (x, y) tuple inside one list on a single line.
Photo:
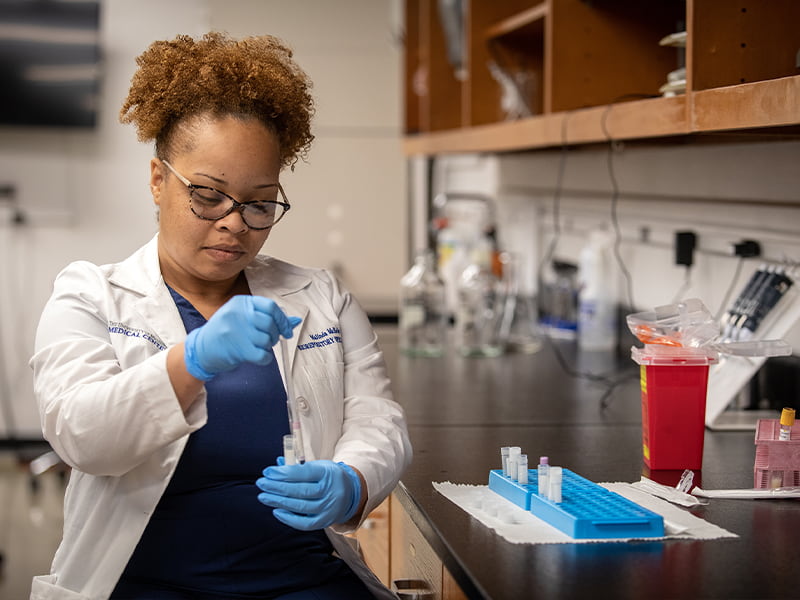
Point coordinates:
[(108, 409)]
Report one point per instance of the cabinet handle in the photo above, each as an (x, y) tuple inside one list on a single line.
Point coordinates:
[(412, 589)]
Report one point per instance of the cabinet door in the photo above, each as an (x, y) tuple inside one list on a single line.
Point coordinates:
[(414, 563), (373, 536)]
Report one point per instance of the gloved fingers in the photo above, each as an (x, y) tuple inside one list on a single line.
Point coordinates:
[(278, 323), (311, 471), (280, 461), (300, 506), (302, 522), (257, 348), (292, 489), (293, 322)]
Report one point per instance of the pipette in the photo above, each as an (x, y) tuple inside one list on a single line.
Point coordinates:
[(291, 405)]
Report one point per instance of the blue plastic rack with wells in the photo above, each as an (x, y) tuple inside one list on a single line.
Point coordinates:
[(587, 510)]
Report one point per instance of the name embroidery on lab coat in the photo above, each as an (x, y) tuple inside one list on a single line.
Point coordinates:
[(121, 329), (324, 338)]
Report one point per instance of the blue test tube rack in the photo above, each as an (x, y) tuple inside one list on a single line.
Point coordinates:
[(587, 510)]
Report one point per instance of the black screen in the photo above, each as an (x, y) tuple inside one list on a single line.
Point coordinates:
[(49, 62)]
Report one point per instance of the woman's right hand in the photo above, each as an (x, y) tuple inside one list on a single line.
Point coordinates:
[(243, 330)]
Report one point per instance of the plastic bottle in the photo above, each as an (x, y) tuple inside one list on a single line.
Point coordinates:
[(422, 321), (597, 296)]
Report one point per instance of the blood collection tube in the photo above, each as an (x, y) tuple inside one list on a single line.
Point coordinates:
[(787, 420)]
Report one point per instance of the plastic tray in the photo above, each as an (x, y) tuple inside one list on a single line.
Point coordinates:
[(587, 510)]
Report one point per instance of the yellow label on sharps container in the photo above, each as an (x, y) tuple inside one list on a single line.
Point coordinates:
[(645, 424)]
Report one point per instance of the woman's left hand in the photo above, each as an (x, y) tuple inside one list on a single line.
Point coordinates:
[(311, 496)]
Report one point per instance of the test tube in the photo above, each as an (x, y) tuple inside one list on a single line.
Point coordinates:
[(288, 450), (504, 459), (514, 453), (291, 406), (555, 478), (787, 420), (542, 472), (522, 469)]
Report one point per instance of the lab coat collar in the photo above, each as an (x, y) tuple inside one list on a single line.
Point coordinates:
[(267, 276), (141, 273)]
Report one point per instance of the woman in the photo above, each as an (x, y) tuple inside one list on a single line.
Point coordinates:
[(166, 432)]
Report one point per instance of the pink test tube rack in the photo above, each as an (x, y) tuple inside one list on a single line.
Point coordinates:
[(777, 461)]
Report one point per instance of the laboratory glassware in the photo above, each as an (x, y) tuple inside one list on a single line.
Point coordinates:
[(482, 294), (422, 321)]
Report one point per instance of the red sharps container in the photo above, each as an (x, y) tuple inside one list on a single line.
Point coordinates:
[(674, 384)]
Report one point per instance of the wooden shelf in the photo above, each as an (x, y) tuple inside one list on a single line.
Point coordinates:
[(519, 24), (773, 103), (655, 117), (586, 58)]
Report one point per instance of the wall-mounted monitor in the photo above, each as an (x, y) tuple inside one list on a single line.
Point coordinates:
[(49, 62)]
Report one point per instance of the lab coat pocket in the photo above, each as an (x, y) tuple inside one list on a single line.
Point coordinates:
[(325, 402), (45, 588)]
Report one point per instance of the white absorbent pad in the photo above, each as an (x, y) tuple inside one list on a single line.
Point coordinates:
[(522, 527)]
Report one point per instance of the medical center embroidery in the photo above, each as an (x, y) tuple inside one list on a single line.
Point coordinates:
[(325, 338), (121, 329)]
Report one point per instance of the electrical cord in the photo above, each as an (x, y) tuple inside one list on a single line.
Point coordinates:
[(562, 162), (686, 285), (609, 381), (612, 144)]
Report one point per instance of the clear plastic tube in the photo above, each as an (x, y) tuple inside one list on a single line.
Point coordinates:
[(522, 469), (291, 406), (514, 452), (504, 459), (543, 471), (288, 450), (555, 477)]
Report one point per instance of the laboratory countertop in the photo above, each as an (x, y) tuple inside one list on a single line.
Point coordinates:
[(460, 411)]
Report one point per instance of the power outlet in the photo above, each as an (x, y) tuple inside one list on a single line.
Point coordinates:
[(685, 242)]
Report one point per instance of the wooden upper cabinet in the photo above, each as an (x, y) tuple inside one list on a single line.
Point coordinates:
[(580, 71), (742, 41)]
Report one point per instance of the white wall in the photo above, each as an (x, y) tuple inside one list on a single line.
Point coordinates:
[(86, 195), (348, 199)]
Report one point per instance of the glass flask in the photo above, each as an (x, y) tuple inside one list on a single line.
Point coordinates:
[(422, 319)]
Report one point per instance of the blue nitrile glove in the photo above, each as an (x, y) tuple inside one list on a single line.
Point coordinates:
[(311, 496), (242, 330)]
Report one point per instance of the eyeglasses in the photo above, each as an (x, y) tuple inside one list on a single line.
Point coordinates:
[(210, 204)]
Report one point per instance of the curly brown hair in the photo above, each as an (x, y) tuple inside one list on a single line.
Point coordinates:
[(252, 77)]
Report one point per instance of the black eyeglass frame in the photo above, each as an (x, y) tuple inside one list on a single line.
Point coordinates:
[(235, 204)]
